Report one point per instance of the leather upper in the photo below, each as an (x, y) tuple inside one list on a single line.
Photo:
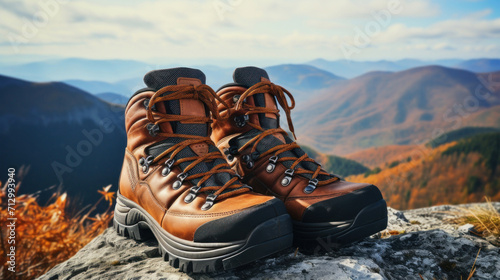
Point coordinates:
[(154, 192), (297, 202)]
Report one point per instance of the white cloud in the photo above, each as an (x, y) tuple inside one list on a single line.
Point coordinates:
[(286, 29)]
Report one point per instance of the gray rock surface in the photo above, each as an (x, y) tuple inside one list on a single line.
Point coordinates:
[(427, 245)]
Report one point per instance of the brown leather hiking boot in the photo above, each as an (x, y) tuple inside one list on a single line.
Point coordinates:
[(323, 207), (177, 185)]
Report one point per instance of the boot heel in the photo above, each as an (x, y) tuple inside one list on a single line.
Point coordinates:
[(129, 223)]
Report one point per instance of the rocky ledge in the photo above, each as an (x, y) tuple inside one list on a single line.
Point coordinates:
[(423, 245)]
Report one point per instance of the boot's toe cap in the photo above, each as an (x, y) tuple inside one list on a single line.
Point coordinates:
[(239, 225), (341, 208)]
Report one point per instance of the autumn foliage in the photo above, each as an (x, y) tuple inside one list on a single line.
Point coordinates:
[(453, 173), (48, 235)]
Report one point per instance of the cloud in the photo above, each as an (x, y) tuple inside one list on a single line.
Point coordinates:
[(284, 29)]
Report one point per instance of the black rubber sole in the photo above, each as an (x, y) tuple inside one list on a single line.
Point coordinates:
[(370, 220), (272, 236)]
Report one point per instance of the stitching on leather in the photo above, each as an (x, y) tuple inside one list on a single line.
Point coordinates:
[(181, 103), (153, 196), (321, 196), (132, 172), (174, 213)]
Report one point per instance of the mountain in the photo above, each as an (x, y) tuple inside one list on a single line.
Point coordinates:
[(480, 65), (96, 87), (113, 98), (352, 68), (338, 165), (301, 76), (403, 108), (460, 134), (77, 68), (453, 173), (68, 137), (385, 155)]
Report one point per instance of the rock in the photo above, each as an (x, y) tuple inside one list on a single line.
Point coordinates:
[(426, 244), (465, 228)]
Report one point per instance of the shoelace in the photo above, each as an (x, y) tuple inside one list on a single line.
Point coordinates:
[(280, 93), (207, 96)]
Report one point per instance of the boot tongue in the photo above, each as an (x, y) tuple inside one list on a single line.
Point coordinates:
[(249, 76), (158, 79)]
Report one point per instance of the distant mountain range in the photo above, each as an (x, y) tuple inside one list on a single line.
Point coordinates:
[(407, 107), (351, 69), (125, 76), (113, 98), (302, 77), (77, 68), (480, 65), (68, 137), (96, 87)]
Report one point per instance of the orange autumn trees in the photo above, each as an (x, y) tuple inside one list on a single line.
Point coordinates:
[(457, 172), (48, 235)]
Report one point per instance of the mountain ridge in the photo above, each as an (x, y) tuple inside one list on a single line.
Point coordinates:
[(69, 138), (397, 108)]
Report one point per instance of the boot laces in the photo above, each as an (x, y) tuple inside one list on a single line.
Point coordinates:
[(207, 96), (280, 93)]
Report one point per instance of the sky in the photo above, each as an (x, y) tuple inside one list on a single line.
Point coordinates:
[(253, 31)]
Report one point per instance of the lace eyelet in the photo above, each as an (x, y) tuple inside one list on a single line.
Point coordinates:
[(177, 184), (288, 177), (227, 153), (168, 166), (236, 98), (311, 187), (165, 171), (249, 159), (145, 162), (241, 121), (153, 129), (192, 194), (146, 105), (209, 202), (272, 164)]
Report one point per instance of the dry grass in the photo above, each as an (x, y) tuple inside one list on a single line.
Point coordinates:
[(485, 219), (48, 235)]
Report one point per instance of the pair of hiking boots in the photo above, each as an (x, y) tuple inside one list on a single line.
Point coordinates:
[(218, 206)]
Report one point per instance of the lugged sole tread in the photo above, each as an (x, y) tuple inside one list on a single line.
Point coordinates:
[(370, 220), (141, 231)]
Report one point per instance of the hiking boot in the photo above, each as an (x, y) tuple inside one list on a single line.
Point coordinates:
[(324, 208), (175, 184)]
